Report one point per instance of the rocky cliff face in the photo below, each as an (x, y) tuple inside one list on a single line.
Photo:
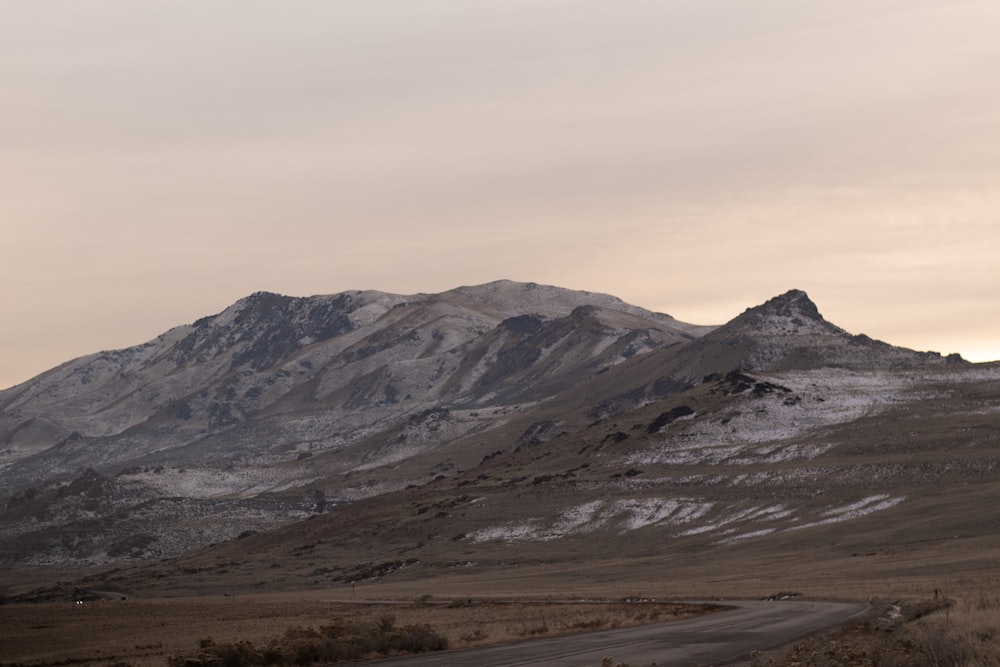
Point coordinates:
[(280, 407)]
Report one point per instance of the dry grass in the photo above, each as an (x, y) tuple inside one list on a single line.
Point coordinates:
[(941, 621), (303, 646), (959, 628), (145, 633)]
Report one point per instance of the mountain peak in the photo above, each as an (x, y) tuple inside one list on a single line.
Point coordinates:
[(791, 313), (792, 303), (787, 332)]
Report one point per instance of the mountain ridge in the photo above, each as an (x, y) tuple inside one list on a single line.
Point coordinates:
[(278, 405)]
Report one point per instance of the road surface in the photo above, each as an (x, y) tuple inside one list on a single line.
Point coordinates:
[(713, 639)]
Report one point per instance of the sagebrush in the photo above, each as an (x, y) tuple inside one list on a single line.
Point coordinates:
[(302, 646)]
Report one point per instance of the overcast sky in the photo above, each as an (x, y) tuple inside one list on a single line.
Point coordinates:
[(164, 158)]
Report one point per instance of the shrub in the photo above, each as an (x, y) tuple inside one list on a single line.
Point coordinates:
[(304, 646)]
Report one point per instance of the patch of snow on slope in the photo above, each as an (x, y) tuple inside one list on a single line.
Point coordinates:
[(781, 453), (856, 510), (747, 536), (755, 429), (215, 483), (583, 518), (380, 304), (730, 454), (649, 511), (590, 516), (771, 513), (508, 532)]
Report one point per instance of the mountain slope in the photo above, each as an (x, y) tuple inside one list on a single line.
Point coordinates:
[(279, 394), (281, 408), (883, 474)]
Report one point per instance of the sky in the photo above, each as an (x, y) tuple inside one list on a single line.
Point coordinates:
[(161, 159)]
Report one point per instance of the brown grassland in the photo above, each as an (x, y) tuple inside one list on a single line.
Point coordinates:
[(149, 632), (948, 620)]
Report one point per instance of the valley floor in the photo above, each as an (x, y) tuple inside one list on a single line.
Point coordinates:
[(147, 632), (956, 609)]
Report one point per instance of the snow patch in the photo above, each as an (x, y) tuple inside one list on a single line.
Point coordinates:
[(587, 517), (770, 428), (856, 510), (205, 483)]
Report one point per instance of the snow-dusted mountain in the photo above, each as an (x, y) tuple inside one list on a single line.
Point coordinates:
[(315, 374), (281, 408)]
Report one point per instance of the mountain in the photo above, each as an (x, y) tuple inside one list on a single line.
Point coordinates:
[(806, 476), (787, 333), (278, 401), (479, 418)]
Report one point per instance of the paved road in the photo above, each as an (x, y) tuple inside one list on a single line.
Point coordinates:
[(714, 639)]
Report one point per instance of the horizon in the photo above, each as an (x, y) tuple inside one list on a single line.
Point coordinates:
[(666, 312), (687, 158)]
